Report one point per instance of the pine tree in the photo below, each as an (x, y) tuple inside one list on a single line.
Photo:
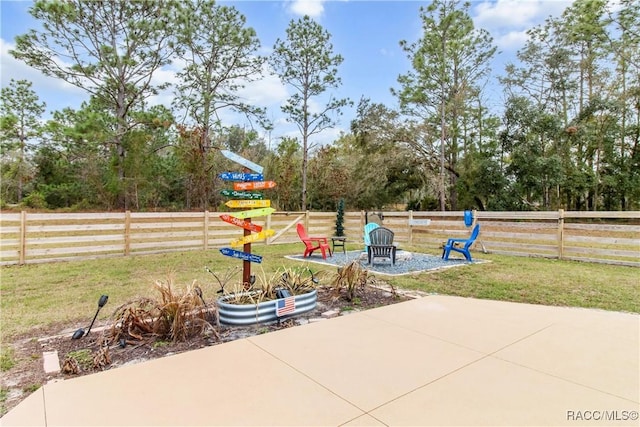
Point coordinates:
[(340, 219)]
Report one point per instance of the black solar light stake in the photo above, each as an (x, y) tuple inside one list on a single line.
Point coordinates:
[(80, 332)]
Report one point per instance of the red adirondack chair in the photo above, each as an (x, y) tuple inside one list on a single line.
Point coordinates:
[(313, 243)]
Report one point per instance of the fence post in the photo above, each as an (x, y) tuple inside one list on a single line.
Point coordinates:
[(560, 233), (306, 221), (127, 233), (267, 226), (411, 227), (362, 224), (206, 230), (23, 237)]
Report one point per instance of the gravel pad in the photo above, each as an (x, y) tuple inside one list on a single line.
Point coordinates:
[(406, 262)]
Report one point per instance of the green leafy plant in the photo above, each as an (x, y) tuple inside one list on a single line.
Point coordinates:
[(296, 281)]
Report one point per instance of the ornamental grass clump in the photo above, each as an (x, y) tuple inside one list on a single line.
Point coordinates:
[(296, 281), (353, 279), (176, 315)]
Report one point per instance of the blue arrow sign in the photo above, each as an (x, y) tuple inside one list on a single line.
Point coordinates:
[(241, 176), (242, 161), (245, 256)]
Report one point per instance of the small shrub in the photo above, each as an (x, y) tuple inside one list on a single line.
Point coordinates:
[(35, 200)]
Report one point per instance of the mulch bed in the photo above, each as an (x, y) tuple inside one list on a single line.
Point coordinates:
[(28, 375)]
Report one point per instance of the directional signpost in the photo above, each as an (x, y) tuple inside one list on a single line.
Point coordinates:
[(253, 238), (242, 194), (254, 213), (242, 161), (242, 181), (248, 203), (240, 223), (257, 185), (241, 176), (241, 255)]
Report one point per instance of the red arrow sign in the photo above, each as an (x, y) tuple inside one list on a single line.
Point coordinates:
[(240, 223), (256, 185)]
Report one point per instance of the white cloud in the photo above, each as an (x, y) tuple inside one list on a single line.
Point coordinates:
[(313, 8), (512, 40), (508, 20), (57, 93), (266, 91)]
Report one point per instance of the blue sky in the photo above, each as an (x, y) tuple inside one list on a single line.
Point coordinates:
[(365, 33)]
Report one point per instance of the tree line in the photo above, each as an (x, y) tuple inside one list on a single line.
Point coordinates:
[(567, 136)]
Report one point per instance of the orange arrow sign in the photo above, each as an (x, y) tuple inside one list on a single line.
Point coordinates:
[(256, 185), (240, 223)]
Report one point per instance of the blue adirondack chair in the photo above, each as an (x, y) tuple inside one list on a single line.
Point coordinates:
[(368, 229), (461, 245)]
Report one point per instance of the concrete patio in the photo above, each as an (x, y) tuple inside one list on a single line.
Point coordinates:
[(436, 360)]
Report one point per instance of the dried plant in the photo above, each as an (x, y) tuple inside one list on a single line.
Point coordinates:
[(351, 278), (175, 315)]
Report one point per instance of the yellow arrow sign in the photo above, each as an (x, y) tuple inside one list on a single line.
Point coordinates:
[(253, 237), (248, 203), (254, 213)]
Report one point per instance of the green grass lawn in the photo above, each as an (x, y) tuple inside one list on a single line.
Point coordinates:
[(40, 295)]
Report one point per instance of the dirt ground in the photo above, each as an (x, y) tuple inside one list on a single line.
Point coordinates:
[(28, 374)]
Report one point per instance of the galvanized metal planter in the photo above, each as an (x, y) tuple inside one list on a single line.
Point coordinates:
[(264, 312)]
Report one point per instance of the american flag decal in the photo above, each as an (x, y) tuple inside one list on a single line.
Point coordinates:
[(285, 306)]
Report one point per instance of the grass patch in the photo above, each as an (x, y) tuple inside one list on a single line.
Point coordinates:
[(31, 388), (41, 295), (4, 393), (84, 358), (536, 281), (7, 359)]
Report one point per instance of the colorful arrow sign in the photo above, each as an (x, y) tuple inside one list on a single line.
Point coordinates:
[(253, 238), (254, 213), (242, 194), (241, 223), (248, 203), (245, 256), (256, 185), (241, 176), (242, 161)]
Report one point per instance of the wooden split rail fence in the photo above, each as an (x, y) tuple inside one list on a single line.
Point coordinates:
[(609, 237)]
